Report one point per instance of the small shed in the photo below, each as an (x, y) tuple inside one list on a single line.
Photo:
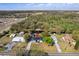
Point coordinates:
[(12, 35), (18, 39)]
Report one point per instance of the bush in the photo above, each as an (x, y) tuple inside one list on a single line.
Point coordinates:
[(48, 40), (77, 45), (26, 37), (75, 36), (45, 34)]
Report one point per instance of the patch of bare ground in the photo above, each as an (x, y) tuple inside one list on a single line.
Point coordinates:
[(66, 44)]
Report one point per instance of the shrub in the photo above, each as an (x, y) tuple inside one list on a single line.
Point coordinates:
[(26, 37), (45, 34), (77, 45), (47, 40)]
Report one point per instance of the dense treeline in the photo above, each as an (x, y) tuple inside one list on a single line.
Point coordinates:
[(66, 23)]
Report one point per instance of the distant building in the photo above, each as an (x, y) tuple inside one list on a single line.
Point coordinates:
[(18, 39)]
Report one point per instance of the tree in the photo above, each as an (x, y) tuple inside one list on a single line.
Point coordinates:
[(77, 45), (26, 37), (75, 35)]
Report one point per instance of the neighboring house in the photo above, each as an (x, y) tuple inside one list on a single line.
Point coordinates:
[(18, 39), (21, 33)]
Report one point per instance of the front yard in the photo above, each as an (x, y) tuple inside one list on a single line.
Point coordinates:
[(19, 48), (41, 49)]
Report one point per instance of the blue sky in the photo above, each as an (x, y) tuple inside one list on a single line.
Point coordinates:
[(39, 6)]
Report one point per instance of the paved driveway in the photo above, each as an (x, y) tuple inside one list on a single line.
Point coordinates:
[(9, 46), (56, 43)]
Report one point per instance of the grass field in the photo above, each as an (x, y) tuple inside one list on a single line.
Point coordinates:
[(36, 50), (4, 40), (19, 45), (19, 48), (41, 49)]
